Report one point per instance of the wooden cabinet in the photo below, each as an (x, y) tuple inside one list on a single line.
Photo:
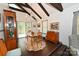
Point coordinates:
[(10, 30), (52, 36)]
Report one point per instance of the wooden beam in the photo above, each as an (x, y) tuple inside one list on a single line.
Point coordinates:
[(58, 6), (18, 10), (34, 18), (43, 9), (21, 7), (28, 6), (24, 5)]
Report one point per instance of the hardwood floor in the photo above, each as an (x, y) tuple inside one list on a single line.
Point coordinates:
[(63, 50), (49, 49), (60, 51)]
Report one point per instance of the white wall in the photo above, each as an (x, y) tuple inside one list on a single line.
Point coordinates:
[(66, 19), (21, 16), (2, 7)]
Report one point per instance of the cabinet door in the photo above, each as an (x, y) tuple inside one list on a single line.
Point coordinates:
[(10, 30)]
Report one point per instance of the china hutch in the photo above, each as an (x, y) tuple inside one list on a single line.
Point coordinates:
[(10, 30)]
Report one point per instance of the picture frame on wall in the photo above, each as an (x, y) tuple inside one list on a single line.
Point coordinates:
[(34, 25), (38, 25), (54, 26)]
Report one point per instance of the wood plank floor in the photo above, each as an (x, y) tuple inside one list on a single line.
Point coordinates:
[(50, 48), (62, 51), (59, 51)]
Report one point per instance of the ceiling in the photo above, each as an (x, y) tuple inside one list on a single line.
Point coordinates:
[(67, 5), (36, 10)]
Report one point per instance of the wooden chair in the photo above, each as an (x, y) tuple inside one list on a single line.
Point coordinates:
[(32, 40), (5, 52), (39, 39), (3, 49)]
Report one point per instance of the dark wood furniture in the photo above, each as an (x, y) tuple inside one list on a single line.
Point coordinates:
[(10, 30), (52, 36), (3, 49)]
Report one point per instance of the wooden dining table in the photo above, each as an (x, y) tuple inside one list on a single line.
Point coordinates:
[(34, 41)]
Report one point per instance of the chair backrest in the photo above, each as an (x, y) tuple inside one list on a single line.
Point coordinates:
[(39, 34), (32, 33), (3, 49)]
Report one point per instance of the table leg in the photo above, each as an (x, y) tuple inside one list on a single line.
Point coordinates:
[(32, 43)]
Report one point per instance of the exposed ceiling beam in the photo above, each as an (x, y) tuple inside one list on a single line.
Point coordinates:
[(28, 6), (34, 18), (21, 7), (18, 10), (58, 6), (43, 9), (23, 4)]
